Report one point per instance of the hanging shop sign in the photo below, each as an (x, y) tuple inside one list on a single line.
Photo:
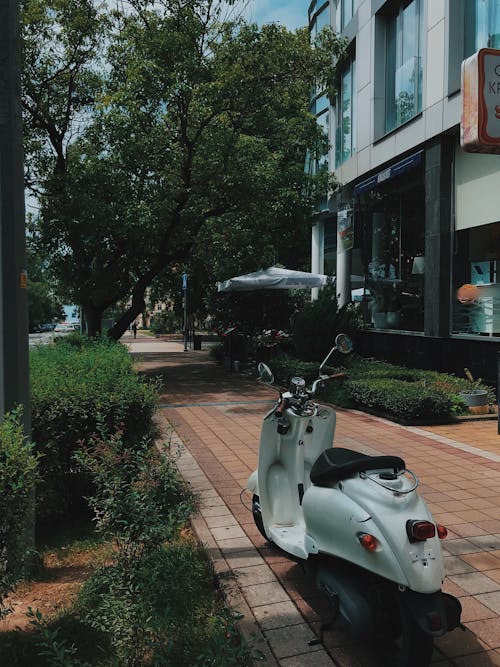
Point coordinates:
[(345, 230), (480, 123)]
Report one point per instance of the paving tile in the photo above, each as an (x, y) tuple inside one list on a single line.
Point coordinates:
[(475, 583), (268, 593), (486, 659), (277, 615), (482, 561), (487, 541), (490, 600), (318, 659), (460, 546), (459, 643), (487, 630), (292, 641), (227, 532), (475, 609), (454, 565), (255, 574)]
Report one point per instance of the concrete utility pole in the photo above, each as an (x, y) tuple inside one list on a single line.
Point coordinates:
[(14, 368)]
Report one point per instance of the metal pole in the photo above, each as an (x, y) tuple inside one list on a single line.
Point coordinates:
[(184, 301), (14, 381)]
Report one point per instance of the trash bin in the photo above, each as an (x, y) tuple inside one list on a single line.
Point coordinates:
[(196, 342), (234, 347)]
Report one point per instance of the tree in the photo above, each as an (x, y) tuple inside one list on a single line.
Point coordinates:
[(199, 134)]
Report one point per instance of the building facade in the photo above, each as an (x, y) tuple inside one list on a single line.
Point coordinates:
[(413, 231)]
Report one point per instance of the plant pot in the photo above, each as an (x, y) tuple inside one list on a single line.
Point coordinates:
[(476, 400)]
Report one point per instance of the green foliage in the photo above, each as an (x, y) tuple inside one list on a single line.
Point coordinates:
[(75, 384), (210, 168), (319, 322), (403, 393), (18, 474), (406, 400), (165, 322), (164, 611), (57, 651), (139, 498)]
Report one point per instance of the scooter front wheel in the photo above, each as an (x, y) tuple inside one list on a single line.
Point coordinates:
[(403, 643), (257, 516)]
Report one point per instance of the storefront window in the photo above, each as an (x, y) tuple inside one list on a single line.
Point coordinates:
[(482, 25), (476, 281), (330, 248), (393, 256)]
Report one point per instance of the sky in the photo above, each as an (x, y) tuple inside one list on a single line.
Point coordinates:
[(290, 13)]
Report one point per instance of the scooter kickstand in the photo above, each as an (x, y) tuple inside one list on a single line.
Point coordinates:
[(328, 625)]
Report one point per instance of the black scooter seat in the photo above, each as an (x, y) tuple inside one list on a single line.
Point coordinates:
[(337, 463)]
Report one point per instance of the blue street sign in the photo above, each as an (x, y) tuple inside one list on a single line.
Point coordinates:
[(184, 281)]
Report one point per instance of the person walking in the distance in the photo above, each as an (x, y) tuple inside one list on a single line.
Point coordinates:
[(134, 329)]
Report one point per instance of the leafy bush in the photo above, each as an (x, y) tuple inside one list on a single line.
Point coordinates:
[(164, 322), (139, 497), (284, 367), (319, 322), (166, 614), (74, 384), (18, 474), (216, 352)]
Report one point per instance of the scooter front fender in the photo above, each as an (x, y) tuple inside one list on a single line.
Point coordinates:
[(253, 483)]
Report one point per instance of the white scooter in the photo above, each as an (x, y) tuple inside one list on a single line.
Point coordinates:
[(356, 522)]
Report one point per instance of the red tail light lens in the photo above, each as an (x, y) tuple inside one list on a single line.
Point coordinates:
[(442, 531), (369, 542), (418, 531)]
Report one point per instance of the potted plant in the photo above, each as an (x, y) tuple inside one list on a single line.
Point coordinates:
[(473, 395)]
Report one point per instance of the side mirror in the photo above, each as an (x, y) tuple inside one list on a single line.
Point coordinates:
[(265, 374), (343, 343)]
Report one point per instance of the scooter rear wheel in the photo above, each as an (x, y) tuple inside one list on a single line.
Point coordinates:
[(404, 643)]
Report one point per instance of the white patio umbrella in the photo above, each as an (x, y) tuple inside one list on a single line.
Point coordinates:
[(275, 278)]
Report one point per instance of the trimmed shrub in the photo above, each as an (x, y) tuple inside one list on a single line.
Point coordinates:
[(319, 322), (165, 322), (406, 400), (75, 385), (18, 474)]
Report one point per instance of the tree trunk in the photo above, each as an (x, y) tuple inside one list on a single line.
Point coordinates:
[(136, 307), (93, 316)]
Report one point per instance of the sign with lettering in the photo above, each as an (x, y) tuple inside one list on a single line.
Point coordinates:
[(345, 231), (480, 123)]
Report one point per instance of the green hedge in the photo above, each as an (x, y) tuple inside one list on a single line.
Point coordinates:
[(406, 400), (18, 473), (407, 394), (75, 384)]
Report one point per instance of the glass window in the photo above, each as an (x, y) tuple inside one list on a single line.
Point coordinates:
[(345, 128), (482, 25), (320, 20), (344, 13), (317, 160), (476, 281), (403, 65), (393, 255)]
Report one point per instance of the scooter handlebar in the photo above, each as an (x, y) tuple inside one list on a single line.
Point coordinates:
[(281, 407)]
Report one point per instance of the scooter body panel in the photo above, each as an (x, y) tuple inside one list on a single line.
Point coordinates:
[(304, 519)]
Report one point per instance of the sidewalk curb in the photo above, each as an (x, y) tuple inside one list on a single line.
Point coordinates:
[(256, 637)]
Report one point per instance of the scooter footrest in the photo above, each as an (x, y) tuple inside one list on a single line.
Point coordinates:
[(337, 463)]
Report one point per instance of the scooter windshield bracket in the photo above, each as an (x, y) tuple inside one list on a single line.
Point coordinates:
[(398, 492)]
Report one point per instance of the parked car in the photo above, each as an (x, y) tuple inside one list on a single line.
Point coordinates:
[(66, 327)]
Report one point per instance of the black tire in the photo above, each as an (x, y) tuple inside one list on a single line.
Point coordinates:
[(402, 643), (257, 516)]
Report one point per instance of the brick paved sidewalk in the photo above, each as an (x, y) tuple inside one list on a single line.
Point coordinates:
[(218, 415)]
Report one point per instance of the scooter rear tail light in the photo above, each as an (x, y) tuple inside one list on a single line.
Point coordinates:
[(419, 531), (369, 542), (442, 531)]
